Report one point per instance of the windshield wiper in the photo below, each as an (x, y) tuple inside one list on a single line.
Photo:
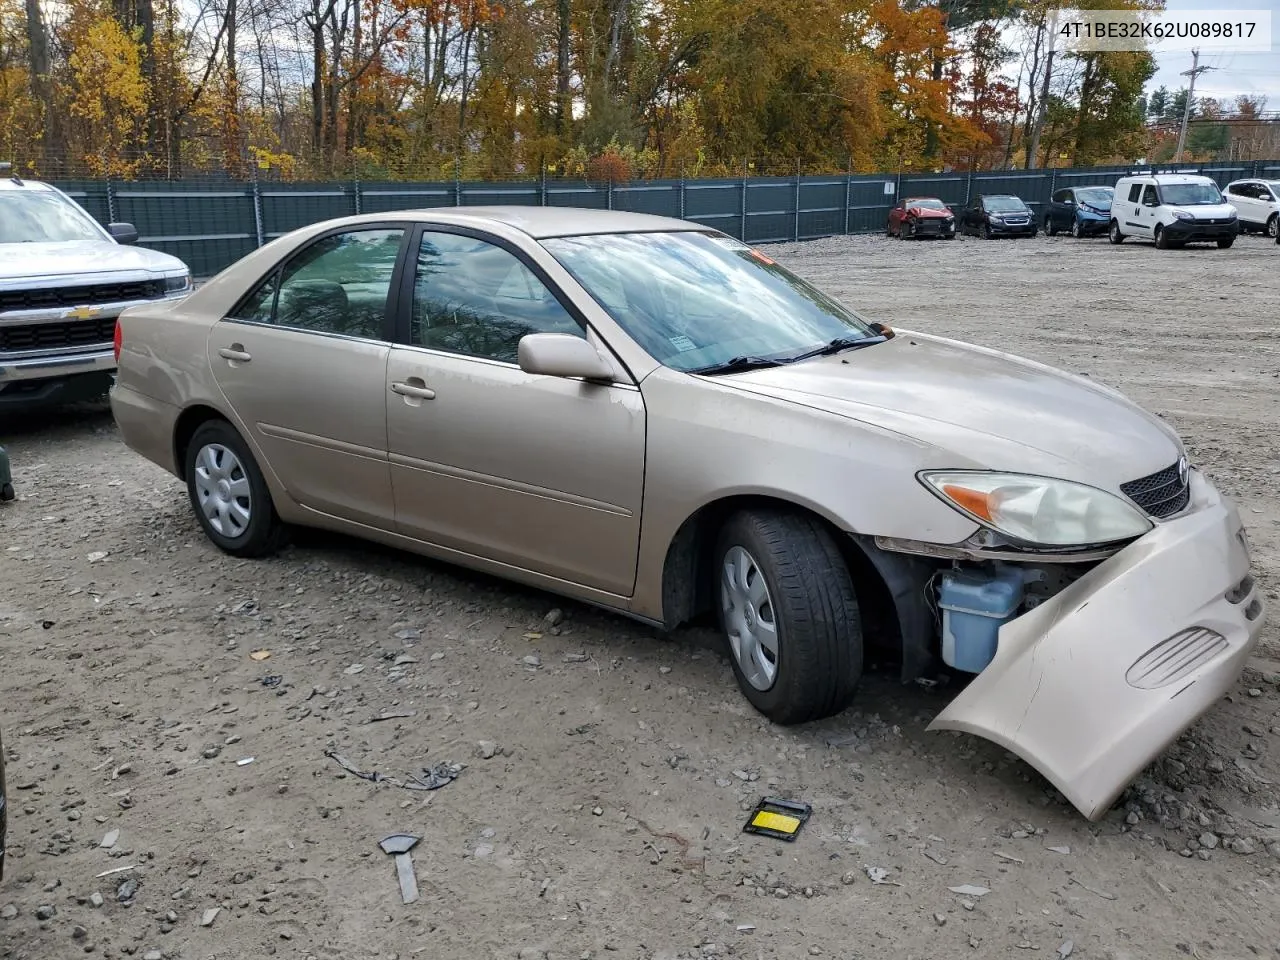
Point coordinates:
[(840, 344), (736, 364)]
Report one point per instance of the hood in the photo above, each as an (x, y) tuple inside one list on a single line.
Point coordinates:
[(981, 407), (927, 213), (72, 260), (1103, 207), (1214, 211)]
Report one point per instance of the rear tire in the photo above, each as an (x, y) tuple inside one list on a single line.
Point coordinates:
[(1113, 232), (780, 576), (229, 494), (1273, 226), (1226, 243)]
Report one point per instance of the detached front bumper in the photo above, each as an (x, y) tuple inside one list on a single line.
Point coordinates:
[(1091, 224), (1091, 686)]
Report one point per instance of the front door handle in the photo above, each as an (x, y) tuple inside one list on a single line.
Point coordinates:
[(417, 391), (235, 353)]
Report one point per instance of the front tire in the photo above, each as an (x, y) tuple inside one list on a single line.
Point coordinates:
[(1273, 226), (1113, 232), (229, 494), (1076, 232), (1050, 227), (789, 614), (985, 232), (1162, 239), (1226, 242)]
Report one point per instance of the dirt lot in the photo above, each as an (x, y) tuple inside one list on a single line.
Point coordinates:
[(606, 820)]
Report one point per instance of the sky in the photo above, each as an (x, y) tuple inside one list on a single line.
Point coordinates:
[(1249, 73)]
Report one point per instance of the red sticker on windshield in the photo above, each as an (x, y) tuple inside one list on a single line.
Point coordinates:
[(761, 257)]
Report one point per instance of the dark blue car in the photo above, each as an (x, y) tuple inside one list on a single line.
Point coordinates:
[(1084, 211)]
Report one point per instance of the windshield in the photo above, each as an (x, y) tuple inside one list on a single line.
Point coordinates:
[(1096, 196), (1005, 205), (43, 217), (927, 204), (695, 300), (1190, 194)]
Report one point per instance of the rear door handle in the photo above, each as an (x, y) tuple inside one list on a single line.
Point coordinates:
[(412, 390), (235, 353)]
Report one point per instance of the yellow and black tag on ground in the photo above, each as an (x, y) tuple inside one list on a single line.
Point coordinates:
[(781, 819)]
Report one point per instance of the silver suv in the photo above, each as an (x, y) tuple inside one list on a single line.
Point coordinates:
[(63, 281)]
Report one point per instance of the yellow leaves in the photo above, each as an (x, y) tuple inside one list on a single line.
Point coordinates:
[(109, 93)]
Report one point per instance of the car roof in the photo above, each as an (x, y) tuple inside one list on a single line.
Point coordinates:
[(545, 222), (1170, 177), (7, 183)]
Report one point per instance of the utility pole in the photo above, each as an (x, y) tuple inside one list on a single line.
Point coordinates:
[(1194, 72)]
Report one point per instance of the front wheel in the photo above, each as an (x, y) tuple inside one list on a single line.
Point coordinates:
[(1226, 242), (789, 614), (1114, 234), (1162, 239), (1273, 226), (1050, 228), (229, 494), (985, 232), (1075, 229)]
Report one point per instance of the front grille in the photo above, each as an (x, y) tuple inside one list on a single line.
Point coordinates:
[(1161, 494), (57, 336), (51, 297), (929, 226)]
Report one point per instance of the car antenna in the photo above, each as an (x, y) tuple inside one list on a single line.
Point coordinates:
[(7, 168)]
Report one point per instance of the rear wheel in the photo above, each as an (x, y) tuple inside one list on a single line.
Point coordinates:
[(1226, 242), (1114, 234), (789, 614), (228, 493), (1273, 225)]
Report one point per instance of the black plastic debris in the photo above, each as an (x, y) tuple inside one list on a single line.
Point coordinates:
[(780, 819)]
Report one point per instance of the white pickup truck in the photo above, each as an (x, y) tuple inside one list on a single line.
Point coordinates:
[(63, 281)]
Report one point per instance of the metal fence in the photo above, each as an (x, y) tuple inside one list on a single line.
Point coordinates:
[(211, 225)]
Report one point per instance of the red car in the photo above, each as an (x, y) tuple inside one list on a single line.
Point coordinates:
[(917, 217)]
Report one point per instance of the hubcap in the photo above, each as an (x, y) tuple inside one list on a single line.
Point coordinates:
[(749, 618), (222, 490), (1273, 227)]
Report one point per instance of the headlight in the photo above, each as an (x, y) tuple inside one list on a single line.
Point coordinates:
[(1038, 510), (1232, 215), (1182, 215), (177, 284)]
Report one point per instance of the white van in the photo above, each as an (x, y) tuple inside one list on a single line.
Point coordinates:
[(1172, 209)]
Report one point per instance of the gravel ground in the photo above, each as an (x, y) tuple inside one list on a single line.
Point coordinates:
[(171, 795)]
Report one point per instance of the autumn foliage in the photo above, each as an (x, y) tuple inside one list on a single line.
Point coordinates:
[(601, 89)]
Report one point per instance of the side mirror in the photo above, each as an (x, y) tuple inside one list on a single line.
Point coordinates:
[(125, 233), (562, 355)]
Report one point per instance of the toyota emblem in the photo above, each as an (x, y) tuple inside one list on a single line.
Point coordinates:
[(1184, 470)]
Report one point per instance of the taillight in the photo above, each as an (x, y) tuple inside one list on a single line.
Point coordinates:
[(117, 341)]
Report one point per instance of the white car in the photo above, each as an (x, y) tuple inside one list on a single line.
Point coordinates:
[(1258, 203), (63, 281), (1172, 209)]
